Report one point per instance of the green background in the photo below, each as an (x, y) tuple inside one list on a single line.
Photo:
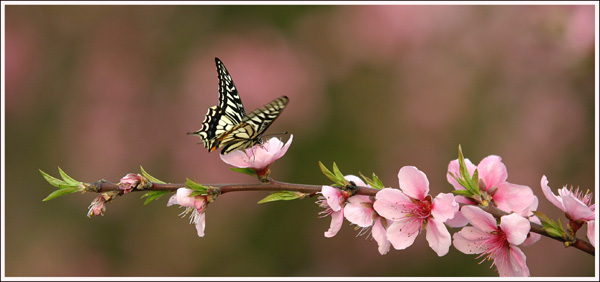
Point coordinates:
[(101, 90)]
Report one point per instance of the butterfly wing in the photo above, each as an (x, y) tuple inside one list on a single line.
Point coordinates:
[(221, 118), (248, 132)]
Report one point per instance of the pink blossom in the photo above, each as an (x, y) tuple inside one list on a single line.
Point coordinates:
[(497, 243), (129, 182), (260, 156), (359, 210), (196, 205), (493, 175), (97, 206), (332, 200), (411, 208), (577, 205)]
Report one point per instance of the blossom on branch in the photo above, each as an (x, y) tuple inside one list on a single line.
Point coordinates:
[(576, 205), (97, 207), (495, 242), (129, 182), (410, 208), (332, 200), (196, 205), (260, 156), (359, 210)]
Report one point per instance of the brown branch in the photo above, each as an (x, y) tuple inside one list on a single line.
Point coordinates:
[(105, 186)]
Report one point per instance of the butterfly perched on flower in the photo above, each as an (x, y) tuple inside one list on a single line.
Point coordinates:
[(227, 125)]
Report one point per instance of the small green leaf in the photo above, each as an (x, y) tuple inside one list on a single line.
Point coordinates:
[(153, 195), (327, 173), (282, 196), (338, 174), (246, 170), (150, 177), (67, 178), (52, 180), (462, 193), (553, 232), (375, 182), (61, 192), (195, 186)]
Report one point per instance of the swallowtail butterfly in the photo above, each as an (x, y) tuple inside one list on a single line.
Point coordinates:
[(227, 125)]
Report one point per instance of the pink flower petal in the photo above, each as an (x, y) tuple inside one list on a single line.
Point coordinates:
[(492, 171), (379, 234), (576, 208), (457, 221), (337, 219), (333, 197), (515, 227), (444, 207), (512, 263), (390, 203), (357, 212), (201, 224), (356, 180), (402, 234), (532, 237), (438, 237), (183, 197), (468, 240), (285, 147), (413, 182), (591, 232), (555, 200), (479, 218), (237, 158), (513, 198)]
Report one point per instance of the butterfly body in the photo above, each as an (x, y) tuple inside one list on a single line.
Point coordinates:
[(227, 125)]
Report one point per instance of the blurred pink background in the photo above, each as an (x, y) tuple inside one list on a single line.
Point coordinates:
[(101, 90)]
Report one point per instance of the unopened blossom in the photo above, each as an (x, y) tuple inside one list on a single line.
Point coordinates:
[(411, 208), (260, 156), (577, 205), (359, 210), (493, 174), (495, 242), (196, 205), (129, 182), (97, 207)]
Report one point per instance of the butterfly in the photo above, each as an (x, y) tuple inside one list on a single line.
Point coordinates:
[(227, 125)]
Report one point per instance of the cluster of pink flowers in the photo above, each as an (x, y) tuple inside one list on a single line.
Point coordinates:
[(395, 217)]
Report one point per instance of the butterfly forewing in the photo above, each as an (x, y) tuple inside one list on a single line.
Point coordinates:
[(229, 99), (248, 132), (227, 125)]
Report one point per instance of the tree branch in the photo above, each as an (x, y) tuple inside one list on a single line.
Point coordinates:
[(105, 186)]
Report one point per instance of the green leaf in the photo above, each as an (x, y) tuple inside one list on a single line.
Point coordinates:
[(338, 174), (553, 232), (375, 182), (197, 187), (462, 193), (61, 192), (52, 180), (327, 173), (150, 177), (153, 195), (246, 170), (282, 196), (67, 178)]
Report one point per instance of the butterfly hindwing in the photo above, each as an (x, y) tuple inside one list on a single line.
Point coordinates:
[(227, 125)]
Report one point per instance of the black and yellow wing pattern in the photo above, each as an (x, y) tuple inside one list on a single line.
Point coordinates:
[(227, 125)]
